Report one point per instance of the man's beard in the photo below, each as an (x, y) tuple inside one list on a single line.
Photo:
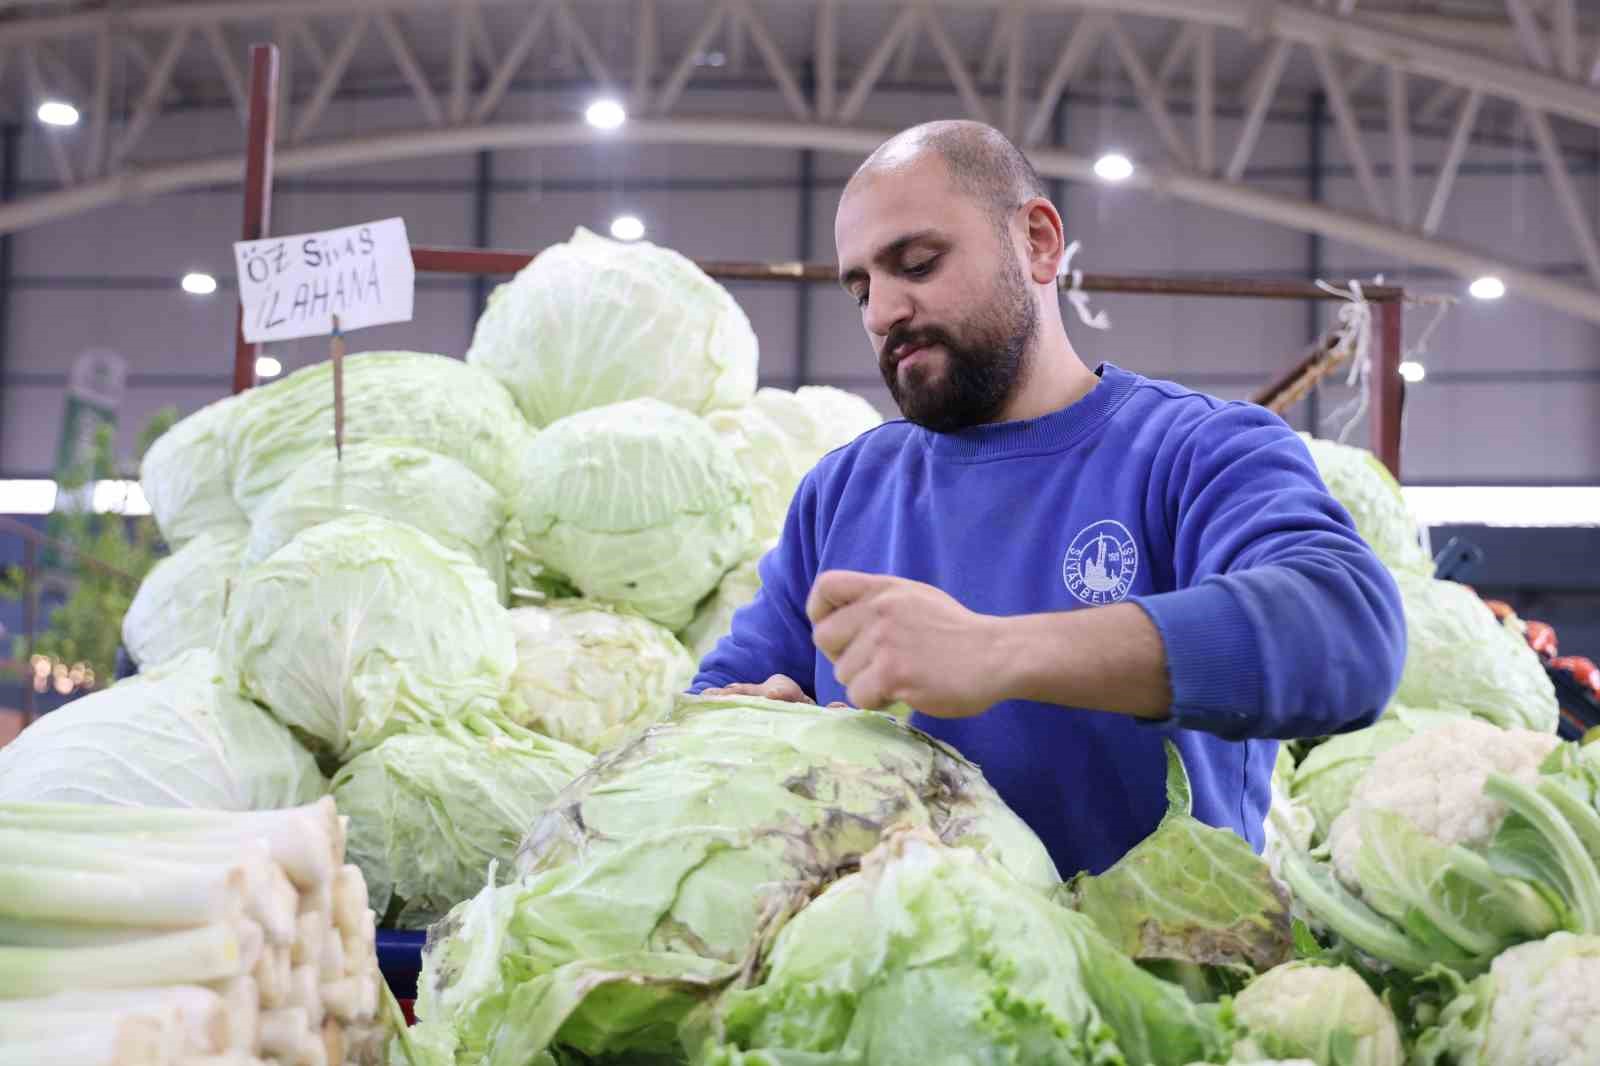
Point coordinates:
[(985, 361)]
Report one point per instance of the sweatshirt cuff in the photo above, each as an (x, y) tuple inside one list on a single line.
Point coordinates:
[(1213, 658)]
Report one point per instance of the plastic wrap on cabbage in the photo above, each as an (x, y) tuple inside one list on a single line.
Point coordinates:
[(177, 736), (179, 603), (779, 436), (931, 954), (1372, 496), (361, 627), (646, 882), (639, 505), (594, 322), (429, 811), (588, 674), (187, 477), (433, 492), (1458, 656), (429, 401), (1190, 901), (713, 619)]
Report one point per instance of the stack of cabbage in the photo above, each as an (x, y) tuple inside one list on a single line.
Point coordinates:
[(497, 578)]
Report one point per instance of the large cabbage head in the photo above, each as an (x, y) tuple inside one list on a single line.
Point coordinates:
[(188, 479), (639, 505), (429, 401), (931, 954), (588, 674), (1458, 656), (361, 627), (646, 882), (1372, 496), (1326, 1014), (780, 435), (176, 736), (430, 811), (713, 619), (179, 603), (594, 322), (433, 492)]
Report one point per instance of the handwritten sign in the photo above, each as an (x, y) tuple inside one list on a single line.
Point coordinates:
[(294, 286)]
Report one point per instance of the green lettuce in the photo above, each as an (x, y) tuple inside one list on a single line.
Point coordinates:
[(187, 477), (713, 619), (1372, 496), (179, 604)]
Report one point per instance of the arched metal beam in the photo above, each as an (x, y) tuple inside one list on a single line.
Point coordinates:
[(429, 141)]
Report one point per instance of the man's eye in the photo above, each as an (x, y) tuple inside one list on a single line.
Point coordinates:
[(861, 298), (922, 269)]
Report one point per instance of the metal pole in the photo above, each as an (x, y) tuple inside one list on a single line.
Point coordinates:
[(482, 208), (10, 143), (802, 303), (1318, 120), (1388, 390), (257, 185)]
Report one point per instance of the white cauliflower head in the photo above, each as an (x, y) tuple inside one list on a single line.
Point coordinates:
[(1540, 1009), (1435, 780)]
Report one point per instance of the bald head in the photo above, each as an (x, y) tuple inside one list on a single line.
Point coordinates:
[(982, 163)]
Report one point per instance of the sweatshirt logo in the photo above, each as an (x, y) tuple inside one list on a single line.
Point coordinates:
[(1101, 563)]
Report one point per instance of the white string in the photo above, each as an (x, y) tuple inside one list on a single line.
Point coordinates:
[(1076, 296), (1354, 338)]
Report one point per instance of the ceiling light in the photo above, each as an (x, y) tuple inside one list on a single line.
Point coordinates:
[(605, 115), (1413, 371), (58, 113), (1113, 167), (199, 284), (1487, 287), (627, 228), (267, 367)]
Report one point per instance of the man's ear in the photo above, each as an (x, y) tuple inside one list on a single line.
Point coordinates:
[(1046, 239)]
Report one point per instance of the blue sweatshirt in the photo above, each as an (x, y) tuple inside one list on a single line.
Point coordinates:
[(1278, 621)]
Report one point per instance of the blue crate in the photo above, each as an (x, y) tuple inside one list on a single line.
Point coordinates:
[(400, 960)]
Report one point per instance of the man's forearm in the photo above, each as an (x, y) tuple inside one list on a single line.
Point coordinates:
[(1103, 658)]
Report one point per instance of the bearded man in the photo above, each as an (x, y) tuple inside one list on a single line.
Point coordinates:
[(1056, 567)]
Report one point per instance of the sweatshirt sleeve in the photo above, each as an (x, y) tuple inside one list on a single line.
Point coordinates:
[(1283, 623), (771, 634)]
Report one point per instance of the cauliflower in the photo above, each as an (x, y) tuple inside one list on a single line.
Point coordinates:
[(1535, 1007), (1435, 780), (1290, 824), (1326, 1014)]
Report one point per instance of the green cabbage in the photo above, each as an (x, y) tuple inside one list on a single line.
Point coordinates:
[(1457, 655), (430, 811), (179, 603), (588, 674), (429, 401), (176, 736), (713, 619), (594, 322), (433, 492), (646, 882), (187, 477), (639, 505), (931, 954), (1326, 1014), (361, 627), (1372, 496), (780, 435)]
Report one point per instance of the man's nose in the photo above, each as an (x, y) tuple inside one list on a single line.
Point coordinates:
[(888, 305)]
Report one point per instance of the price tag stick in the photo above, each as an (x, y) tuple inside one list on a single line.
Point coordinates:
[(336, 351)]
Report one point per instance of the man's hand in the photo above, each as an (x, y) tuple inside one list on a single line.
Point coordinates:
[(893, 640), (776, 687)]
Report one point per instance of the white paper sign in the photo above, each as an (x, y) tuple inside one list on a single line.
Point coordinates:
[(293, 286)]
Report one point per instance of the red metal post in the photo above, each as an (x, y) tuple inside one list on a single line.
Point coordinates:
[(30, 625), (257, 184), (1388, 389)]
